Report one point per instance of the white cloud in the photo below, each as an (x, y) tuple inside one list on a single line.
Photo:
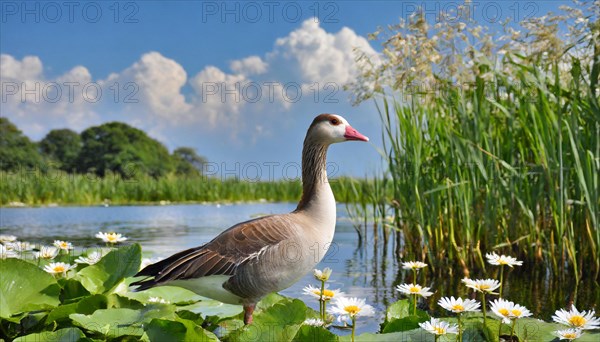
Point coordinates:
[(252, 65), (219, 100)]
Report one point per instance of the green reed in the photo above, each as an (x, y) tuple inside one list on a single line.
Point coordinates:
[(42, 188), (510, 164)]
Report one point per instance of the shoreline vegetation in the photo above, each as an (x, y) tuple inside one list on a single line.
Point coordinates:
[(83, 190)]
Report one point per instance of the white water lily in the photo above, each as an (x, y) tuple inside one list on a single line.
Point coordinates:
[(482, 285), (327, 293), (19, 246), (507, 310), (575, 319), (568, 334), (459, 305), (58, 268), (7, 238), (158, 300), (90, 259), (64, 245), (322, 275), (345, 307), (414, 289), (7, 253), (437, 327), (501, 260), (46, 252), (111, 237), (413, 265), (315, 322)]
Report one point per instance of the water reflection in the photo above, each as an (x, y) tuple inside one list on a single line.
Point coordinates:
[(370, 272)]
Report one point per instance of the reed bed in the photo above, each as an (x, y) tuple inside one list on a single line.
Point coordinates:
[(497, 146), (56, 187)]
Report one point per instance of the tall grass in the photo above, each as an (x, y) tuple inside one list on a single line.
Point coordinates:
[(37, 188), (497, 153)]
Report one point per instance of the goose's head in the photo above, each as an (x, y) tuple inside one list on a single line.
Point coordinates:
[(331, 128)]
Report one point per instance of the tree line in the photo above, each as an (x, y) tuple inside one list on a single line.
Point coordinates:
[(111, 147)]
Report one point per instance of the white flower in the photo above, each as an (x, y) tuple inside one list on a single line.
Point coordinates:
[(458, 305), (19, 246), (437, 327), (46, 252), (576, 319), (7, 238), (64, 245), (414, 289), (413, 265), (58, 268), (91, 258), (315, 322), (501, 260), (111, 237), (6, 253), (568, 334), (482, 285), (158, 300), (346, 307), (508, 310), (322, 275), (327, 293)]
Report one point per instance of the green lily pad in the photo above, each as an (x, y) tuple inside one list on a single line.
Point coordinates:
[(405, 323), (179, 330), (279, 322), (25, 287), (120, 322), (106, 274), (62, 335), (399, 309), (172, 294), (312, 333), (212, 307)]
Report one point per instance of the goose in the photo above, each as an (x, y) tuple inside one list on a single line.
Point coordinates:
[(267, 254)]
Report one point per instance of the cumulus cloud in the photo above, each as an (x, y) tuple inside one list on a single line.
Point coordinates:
[(252, 65), (241, 98)]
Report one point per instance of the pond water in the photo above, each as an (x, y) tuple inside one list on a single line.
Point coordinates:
[(369, 272)]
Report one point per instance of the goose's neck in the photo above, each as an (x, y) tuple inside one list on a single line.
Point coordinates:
[(317, 197)]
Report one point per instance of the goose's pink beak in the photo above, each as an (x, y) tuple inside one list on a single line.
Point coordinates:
[(352, 134)]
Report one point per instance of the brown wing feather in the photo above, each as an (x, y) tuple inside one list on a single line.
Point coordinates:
[(221, 256)]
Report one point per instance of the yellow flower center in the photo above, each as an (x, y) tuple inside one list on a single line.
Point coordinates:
[(504, 312), (63, 245), (458, 307), (516, 312), (352, 309), (577, 321), (484, 287), (439, 330), (59, 268), (414, 289), (502, 262), (112, 237), (570, 336), (328, 293)]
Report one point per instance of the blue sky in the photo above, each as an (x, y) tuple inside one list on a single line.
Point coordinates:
[(168, 57)]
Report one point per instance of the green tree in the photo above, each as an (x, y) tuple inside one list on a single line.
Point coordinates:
[(122, 149), (16, 150), (187, 161), (62, 146)]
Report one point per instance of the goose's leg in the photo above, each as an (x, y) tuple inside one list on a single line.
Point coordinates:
[(248, 310)]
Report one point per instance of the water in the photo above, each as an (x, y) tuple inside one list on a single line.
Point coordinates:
[(370, 272)]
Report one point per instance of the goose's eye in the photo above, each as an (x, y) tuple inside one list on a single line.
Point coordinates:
[(334, 121)]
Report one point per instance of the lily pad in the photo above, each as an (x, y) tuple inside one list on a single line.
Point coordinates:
[(212, 307), (279, 322), (107, 273), (120, 322), (172, 294), (62, 335), (25, 287), (179, 330), (312, 333)]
